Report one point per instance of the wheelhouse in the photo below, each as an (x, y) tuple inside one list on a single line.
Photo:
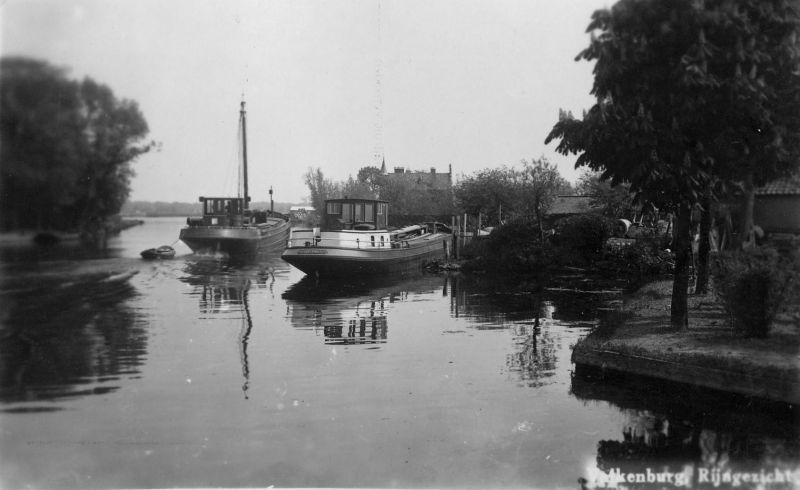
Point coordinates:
[(224, 211), (355, 214)]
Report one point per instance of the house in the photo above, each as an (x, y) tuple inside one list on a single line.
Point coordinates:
[(431, 180), (777, 206), (565, 206)]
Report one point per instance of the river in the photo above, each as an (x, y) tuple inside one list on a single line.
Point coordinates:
[(195, 372)]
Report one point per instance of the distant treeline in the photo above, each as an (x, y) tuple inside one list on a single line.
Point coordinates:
[(161, 208)]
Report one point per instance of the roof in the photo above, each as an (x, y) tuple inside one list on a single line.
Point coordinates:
[(565, 205), (435, 180), (356, 199), (782, 187)]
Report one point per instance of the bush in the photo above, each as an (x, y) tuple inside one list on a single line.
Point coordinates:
[(514, 249), (643, 257), (754, 287), (584, 234)]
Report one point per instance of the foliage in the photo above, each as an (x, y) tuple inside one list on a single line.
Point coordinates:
[(67, 148), (356, 189), (754, 286), (687, 91), (584, 234), (490, 191), (320, 188), (514, 249), (689, 94), (508, 193), (539, 185), (615, 201), (372, 178), (642, 258)]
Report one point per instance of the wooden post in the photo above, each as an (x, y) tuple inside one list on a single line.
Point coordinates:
[(458, 237), (464, 235)]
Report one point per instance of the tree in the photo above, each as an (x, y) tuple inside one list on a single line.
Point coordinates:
[(615, 201), (539, 184), (67, 148), (491, 191), (372, 178), (320, 188), (690, 95)]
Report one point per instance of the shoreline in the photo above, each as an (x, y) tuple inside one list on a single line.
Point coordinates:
[(638, 340), (28, 236)]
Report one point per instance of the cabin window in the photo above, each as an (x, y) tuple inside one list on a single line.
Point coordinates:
[(347, 213), (372, 240), (359, 212), (382, 240), (368, 213), (381, 222), (334, 208)]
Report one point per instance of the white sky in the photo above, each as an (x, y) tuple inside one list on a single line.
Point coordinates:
[(471, 83)]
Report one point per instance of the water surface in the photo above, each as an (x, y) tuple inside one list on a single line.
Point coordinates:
[(199, 372)]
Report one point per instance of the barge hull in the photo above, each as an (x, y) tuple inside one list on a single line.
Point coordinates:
[(342, 262), (236, 241)]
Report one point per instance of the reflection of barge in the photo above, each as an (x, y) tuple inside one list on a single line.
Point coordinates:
[(355, 240)]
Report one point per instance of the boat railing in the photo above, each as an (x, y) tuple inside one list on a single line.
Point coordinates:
[(309, 239)]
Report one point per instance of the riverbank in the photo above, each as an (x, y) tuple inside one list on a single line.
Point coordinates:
[(637, 339), (25, 236)]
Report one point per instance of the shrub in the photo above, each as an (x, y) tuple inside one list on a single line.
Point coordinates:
[(643, 257), (512, 248), (584, 234), (754, 286)]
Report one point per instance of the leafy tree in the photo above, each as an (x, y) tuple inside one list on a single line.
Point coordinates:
[(320, 188), (690, 95), (356, 189), (491, 191), (67, 148), (539, 184), (614, 201), (512, 193), (372, 178)]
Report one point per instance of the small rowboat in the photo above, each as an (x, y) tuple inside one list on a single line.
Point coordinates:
[(162, 252)]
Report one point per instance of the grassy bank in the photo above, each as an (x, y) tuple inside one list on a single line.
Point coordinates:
[(710, 353)]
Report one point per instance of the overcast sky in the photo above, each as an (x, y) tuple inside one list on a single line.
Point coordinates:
[(472, 84)]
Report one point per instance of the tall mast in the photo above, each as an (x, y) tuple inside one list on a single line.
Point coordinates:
[(243, 123)]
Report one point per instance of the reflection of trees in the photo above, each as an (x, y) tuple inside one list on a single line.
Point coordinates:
[(535, 356), (65, 336), (672, 426), (527, 315)]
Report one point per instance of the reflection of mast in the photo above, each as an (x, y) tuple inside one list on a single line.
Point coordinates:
[(244, 338)]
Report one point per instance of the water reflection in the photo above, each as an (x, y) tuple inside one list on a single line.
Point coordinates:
[(65, 336), (355, 312), (223, 288), (702, 435)]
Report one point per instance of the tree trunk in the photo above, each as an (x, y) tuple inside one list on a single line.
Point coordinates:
[(704, 248), (538, 211), (746, 238), (682, 245)]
